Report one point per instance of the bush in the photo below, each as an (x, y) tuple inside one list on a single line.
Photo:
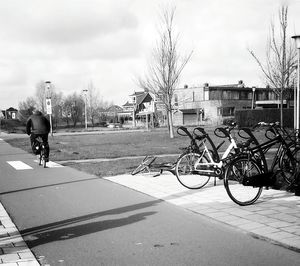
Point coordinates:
[(13, 126), (248, 118)]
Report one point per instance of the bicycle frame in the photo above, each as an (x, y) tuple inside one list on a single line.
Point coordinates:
[(212, 167), (264, 147)]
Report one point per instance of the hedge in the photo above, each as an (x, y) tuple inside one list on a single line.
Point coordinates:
[(249, 117)]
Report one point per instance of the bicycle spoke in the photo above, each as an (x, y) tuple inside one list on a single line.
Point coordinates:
[(186, 171), (235, 173)]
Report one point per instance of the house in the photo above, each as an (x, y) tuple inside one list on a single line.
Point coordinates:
[(10, 113), (213, 104), (140, 107)]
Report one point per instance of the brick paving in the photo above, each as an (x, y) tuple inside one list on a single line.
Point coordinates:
[(13, 249), (275, 216)]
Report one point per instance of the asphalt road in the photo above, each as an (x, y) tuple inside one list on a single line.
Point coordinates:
[(68, 217)]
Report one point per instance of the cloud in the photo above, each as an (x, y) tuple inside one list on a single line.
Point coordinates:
[(61, 22)]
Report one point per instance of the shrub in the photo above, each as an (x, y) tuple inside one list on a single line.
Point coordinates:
[(248, 118)]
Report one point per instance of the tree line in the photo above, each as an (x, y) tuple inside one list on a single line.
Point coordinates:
[(67, 110)]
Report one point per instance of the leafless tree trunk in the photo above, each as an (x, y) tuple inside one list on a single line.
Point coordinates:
[(93, 102), (166, 67), (280, 66), (40, 94)]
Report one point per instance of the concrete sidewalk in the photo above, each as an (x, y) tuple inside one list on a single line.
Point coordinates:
[(274, 217)]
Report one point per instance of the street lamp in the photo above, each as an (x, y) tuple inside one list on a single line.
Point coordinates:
[(85, 113), (253, 97), (48, 104), (297, 96)]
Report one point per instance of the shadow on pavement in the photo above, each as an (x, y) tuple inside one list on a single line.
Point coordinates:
[(60, 231)]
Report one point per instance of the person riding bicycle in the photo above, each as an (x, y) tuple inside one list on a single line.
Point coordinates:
[(38, 126)]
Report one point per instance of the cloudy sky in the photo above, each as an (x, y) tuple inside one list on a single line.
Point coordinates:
[(108, 42)]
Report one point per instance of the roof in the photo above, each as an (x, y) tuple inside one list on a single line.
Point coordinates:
[(128, 104), (114, 108), (237, 88), (11, 109), (136, 93)]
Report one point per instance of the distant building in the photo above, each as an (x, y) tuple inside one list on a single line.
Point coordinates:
[(140, 108), (10, 113), (213, 104)]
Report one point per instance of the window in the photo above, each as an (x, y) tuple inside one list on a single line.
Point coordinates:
[(225, 111)]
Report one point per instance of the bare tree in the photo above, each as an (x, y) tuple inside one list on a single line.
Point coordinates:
[(40, 95), (57, 107), (279, 69), (26, 108), (93, 102), (73, 107), (166, 67)]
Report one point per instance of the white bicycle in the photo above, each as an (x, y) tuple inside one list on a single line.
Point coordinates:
[(194, 170)]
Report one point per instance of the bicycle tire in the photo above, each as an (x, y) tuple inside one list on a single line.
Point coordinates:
[(185, 171), (235, 173), (42, 157), (145, 164), (288, 166)]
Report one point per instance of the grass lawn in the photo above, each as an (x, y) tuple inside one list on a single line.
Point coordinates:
[(115, 145), (109, 145)]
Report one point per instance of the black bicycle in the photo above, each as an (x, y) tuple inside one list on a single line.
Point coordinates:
[(42, 152), (247, 174)]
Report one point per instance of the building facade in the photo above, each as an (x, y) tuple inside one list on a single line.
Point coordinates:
[(213, 104)]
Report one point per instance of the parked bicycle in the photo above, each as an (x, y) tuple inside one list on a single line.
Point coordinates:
[(149, 162), (194, 169), (245, 176)]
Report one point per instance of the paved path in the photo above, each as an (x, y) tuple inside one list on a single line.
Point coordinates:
[(274, 217)]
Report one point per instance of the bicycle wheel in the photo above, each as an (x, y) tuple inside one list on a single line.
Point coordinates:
[(42, 158), (186, 171), (147, 161), (235, 173), (288, 165)]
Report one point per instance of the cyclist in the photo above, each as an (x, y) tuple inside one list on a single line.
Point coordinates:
[(38, 126)]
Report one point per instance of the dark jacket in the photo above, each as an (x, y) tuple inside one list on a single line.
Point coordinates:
[(37, 124)]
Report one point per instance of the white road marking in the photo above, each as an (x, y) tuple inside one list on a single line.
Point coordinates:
[(51, 164), (19, 165), (1, 139)]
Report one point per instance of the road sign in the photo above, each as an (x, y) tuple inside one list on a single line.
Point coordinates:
[(48, 106)]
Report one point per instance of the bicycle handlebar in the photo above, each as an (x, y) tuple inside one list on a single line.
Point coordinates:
[(183, 131), (225, 131), (201, 130)]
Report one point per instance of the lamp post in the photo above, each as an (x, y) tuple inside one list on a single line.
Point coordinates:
[(85, 109), (297, 96), (297, 41), (48, 104), (253, 97)]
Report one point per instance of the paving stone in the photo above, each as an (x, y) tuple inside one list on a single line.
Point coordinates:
[(281, 235), (9, 257), (26, 255), (280, 224), (264, 230), (250, 225)]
